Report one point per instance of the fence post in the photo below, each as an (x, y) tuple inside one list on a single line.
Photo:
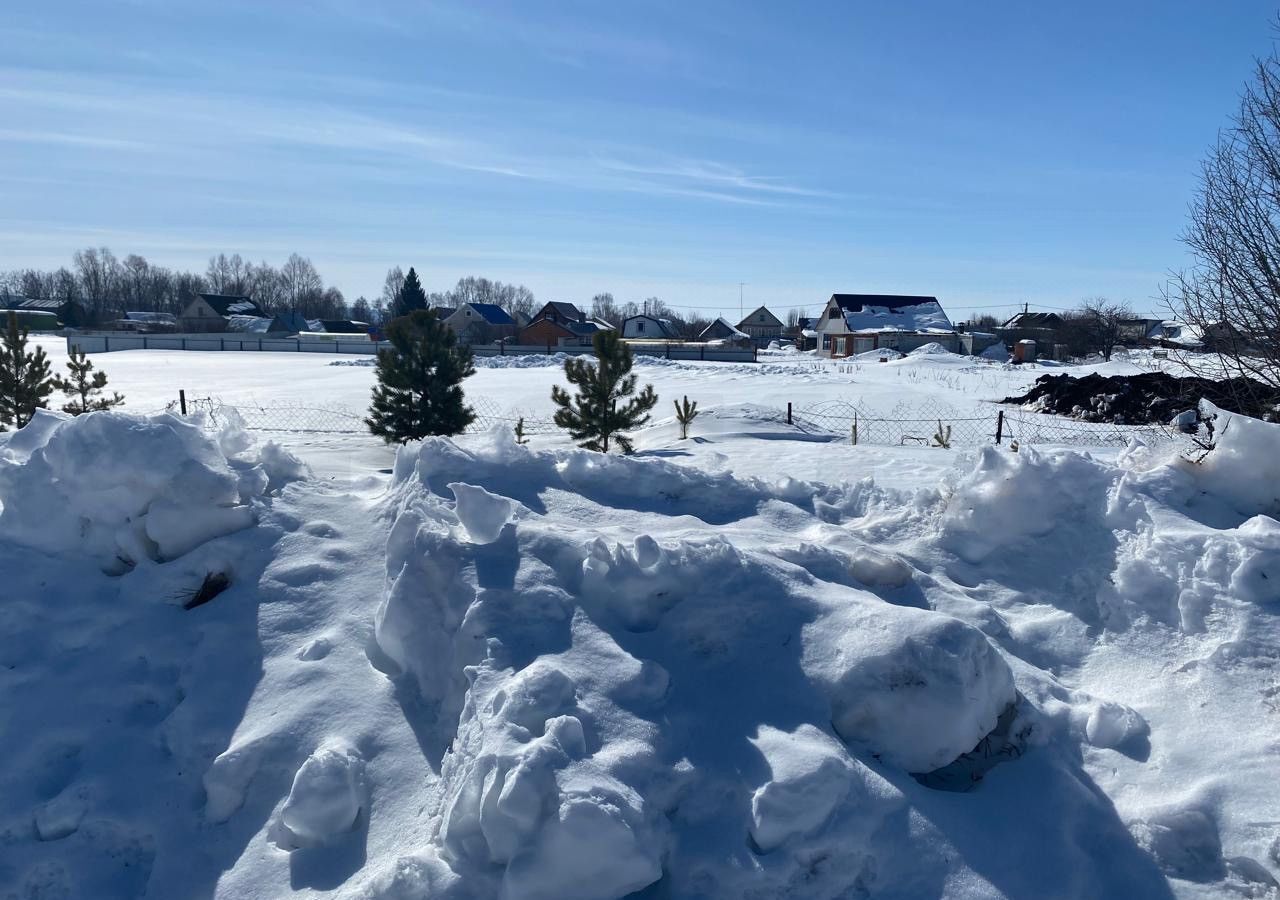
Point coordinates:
[(297, 341), (855, 428), (755, 353), (182, 401), (184, 343), (502, 348), (222, 343), (668, 345), (144, 342), (548, 348), (702, 351), (999, 425)]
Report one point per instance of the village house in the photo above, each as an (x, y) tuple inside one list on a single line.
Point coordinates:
[(856, 323), (216, 312), (642, 327), (561, 324), (761, 326), (721, 331), (481, 323)]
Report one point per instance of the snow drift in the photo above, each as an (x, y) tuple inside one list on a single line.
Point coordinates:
[(122, 488)]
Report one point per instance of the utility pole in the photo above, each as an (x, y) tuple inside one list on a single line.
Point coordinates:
[(740, 312)]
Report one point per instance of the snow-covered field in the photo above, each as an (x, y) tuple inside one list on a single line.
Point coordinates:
[(750, 664)]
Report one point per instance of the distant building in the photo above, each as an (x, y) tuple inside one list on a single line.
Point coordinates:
[(481, 323), (722, 332), (341, 326), (147, 323), (560, 324), (762, 326), (644, 327), (213, 312), (66, 312), (856, 323)]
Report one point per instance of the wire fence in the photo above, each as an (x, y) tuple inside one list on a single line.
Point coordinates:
[(932, 423)]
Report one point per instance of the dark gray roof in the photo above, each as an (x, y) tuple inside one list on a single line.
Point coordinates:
[(232, 304), (344, 326), (855, 302), (568, 310), (1034, 320)]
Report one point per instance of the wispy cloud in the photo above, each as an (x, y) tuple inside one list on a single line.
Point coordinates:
[(77, 140), (708, 172)]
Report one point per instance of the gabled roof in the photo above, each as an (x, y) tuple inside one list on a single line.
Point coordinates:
[(753, 318), (665, 326), (491, 313), (290, 321), (871, 313), (232, 304), (1033, 320), (567, 310), (153, 317), (855, 302), (444, 312), (721, 329)]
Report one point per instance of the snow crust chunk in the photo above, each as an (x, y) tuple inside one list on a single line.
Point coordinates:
[(811, 775), (481, 513), (324, 801)]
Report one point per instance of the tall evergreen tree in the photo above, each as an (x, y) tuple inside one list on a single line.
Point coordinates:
[(410, 297), (418, 392), (24, 377), (593, 415), (84, 386)]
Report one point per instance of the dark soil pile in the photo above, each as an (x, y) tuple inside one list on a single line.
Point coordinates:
[(1151, 397)]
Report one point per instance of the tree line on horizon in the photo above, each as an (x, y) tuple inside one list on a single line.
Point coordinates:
[(105, 286)]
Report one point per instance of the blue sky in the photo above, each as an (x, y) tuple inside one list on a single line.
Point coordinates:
[(988, 153)]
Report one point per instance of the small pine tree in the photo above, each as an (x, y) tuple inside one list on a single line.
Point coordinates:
[(410, 297), (593, 415), (85, 386), (686, 412), (24, 377), (520, 436), (419, 392)]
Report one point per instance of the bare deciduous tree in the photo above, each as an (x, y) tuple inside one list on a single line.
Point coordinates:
[(1231, 295), (1102, 321)]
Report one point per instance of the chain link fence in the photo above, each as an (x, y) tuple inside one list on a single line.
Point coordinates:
[(925, 424)]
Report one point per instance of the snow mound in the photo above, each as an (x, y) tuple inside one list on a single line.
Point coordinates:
[(998, 351), (918, 689), (882, 353), (124, 488), (933, 348)]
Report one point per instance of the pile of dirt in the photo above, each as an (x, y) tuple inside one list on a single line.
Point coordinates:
[(1151, 397)]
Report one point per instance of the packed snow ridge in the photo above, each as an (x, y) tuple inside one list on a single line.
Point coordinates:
[(623, 674)]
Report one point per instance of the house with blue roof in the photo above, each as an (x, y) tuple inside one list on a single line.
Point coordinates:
[(481, 323)]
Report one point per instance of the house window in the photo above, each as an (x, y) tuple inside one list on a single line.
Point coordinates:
[(840, 347), (826, 342), (640, 326)]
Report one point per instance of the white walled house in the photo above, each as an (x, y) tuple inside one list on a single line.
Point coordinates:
[(855, 323), (648, 328)]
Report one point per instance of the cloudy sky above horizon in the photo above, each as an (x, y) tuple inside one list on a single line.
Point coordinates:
[(990, 154)]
